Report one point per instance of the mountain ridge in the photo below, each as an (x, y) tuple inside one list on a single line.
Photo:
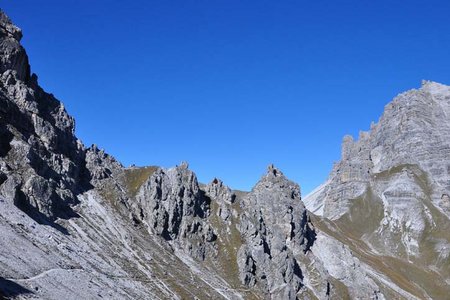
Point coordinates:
[(78, 224)]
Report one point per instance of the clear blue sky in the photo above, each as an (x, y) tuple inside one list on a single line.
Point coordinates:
[(231, 86)]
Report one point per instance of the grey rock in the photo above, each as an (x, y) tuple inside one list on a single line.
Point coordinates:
[(390, 188), (76, 224), (38, 145), (10, 188), (414, 130), (171, 204), (223, 196), (412, 137), (101, 165), (275, 227), (12, 54)]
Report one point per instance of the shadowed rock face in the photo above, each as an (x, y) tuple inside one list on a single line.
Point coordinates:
[(13, 56), (11, 289), (42, 163), (95, 229)]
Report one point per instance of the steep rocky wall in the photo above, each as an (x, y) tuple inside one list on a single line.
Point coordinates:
[(413, 130), (172, 205), (390, 189), (275, 227), (41, 161)]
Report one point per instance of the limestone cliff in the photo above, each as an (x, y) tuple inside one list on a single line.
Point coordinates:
[(390, 189)]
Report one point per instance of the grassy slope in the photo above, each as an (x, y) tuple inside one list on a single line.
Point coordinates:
[(135, 177)]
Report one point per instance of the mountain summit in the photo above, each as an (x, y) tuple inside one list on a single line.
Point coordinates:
[(76, 224)]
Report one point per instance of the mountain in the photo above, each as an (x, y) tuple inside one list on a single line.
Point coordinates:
[(76, 224), (391, 188)]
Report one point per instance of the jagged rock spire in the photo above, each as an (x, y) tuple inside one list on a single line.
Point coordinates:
[(272, 170), (274, 224), (8, 28)]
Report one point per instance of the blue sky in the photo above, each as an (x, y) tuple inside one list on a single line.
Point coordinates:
[(231, 86)]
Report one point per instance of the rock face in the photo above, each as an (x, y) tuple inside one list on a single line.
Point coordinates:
[(391, 187), (101, 165), (76, 224), (224, 197), (171, 204), (275, 226), (41, 161), (402, 160), (413, 131), (12, 53)]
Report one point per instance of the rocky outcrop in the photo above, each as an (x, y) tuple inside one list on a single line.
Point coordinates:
[(402, 160), (224, 197), (414, 130), (13, 56), (275, 227), (42, 161), (390, 187), (101, 165), (171, 204)]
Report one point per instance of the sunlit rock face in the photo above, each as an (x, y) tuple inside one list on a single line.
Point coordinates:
[(413, 130), (393, 182), (275, 227), (171, 203)]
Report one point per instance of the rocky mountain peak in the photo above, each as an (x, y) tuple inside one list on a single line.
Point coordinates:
[(274, 224), (434, 87), (275, 183), (414, 129), (216, 189), (184, 165), (43, 161), (76, 224), (398, 173), (172, 205), (13, 56), (8, 28), (273, 171)]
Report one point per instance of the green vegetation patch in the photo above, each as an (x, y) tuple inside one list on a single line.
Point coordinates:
[(135, 177)]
